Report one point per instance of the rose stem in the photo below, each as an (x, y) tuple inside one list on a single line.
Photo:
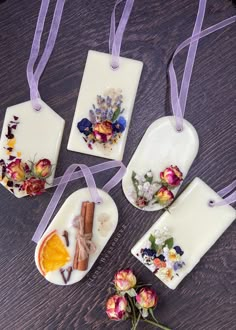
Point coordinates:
[(156, 324), (136, 324), (65, 234), (133, 308), (63, 275)]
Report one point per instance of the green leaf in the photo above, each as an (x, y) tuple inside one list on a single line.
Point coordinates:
[(154, 246), (135, 182), (115, 115), (131, 292), (169, 242)]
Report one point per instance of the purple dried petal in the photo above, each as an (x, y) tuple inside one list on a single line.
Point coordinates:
[(9, 134), (2, 162), (9, 183)]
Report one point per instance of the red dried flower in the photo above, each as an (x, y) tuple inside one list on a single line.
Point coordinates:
[(34, 186)]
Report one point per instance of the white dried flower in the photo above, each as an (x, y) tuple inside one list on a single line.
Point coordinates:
[(149, 174)]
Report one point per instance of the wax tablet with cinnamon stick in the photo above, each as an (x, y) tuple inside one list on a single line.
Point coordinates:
[(56, 252)]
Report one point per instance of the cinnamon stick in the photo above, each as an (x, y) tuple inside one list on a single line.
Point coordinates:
[(88, 228), (76, 257)]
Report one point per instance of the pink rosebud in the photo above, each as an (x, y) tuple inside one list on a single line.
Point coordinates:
[(116, 307), (34, 187), (43, 168), (124, 280), (16, 170), (141, 202), (103, 131), (164, 196), (147, 298), (171, 176)]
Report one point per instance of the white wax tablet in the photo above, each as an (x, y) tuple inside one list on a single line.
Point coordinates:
[(183, 234), (51, 251), (161, 146), (104, 107), (35, 134)]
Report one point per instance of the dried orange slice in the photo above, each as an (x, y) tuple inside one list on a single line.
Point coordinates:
[(52, 253)]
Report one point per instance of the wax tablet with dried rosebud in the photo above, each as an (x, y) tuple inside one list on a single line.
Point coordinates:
[(104, 107), (59, 254), (29, 148), (160, 164), (174, 245)]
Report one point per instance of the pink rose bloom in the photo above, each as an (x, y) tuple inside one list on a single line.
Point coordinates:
[(124, 280), (43, 168), (103, 131), (116, 307), (147, 298), (34, 187), (16, 170), (171, 176), (164, 196)]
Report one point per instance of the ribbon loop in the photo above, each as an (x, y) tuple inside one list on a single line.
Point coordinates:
[(178, 102), (70, 175), (224, 192), (34, 76), (116, 35), (59, 191)]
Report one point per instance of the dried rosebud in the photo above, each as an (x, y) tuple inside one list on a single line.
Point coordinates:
[(103, 131), (116, 307), (171, 176), (43, 168), (141, 202), (16, 171), (124, 280), (164, 196), (34, 186), (147, 298)]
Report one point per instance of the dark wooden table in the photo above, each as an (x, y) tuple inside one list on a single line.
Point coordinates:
[(206, 298)]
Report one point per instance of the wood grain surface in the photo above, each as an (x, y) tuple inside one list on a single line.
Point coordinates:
[(206, 299)]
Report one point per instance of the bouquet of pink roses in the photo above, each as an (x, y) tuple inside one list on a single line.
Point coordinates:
[(132, 301)]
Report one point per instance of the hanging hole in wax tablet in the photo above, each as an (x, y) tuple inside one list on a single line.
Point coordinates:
[(179, 129), (114, 67), (37, 107), (211, 203)]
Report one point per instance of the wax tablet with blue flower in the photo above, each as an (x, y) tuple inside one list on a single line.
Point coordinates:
[(106, 98), (177, 241)]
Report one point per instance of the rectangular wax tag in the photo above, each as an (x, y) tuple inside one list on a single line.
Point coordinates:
[(104, 107), (183, 234), (29, 148)]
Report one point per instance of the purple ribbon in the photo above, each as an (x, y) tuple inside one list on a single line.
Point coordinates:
[(116, 35), (70, 175), (222, 193), (178, 102), (33, 76)]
